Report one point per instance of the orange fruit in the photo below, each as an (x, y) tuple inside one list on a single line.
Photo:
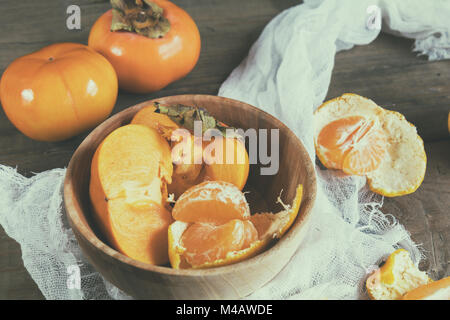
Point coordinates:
[(354, 134), (271, 225), (160, 122), (206, 245), (214, 202), (397, 276), (436, 290), (354, 144), (227, 162), (221, 159), (129, 173), (206, 242), (59, 91), (187, 158)]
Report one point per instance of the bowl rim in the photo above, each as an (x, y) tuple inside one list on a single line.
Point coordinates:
[(73, 209)]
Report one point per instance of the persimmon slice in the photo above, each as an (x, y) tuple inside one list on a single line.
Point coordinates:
[(206, 243), (214, 202), (129, 172), (354, 144)]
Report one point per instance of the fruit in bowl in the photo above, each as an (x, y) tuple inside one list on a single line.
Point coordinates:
[(145, 280), (131, 181)]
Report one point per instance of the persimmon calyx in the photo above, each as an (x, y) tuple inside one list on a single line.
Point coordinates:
[(143, 17), (185, 116)]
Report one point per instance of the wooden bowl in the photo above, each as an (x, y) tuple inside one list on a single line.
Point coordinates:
[(144, 281)]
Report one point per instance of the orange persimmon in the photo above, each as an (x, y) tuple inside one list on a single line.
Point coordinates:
[(228, 162), (154, 43), (59, 91), (129, 174), (219, 158)]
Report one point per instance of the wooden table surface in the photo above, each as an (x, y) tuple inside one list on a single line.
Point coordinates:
[(386, 71)]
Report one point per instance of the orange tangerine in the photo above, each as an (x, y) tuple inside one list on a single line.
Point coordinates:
[(205, 243), (397, 276), (214, 202), (355, 135), (353, 144)]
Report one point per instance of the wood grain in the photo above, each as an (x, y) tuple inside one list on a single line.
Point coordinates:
[(388, 72), (385, 70), (425, 213)]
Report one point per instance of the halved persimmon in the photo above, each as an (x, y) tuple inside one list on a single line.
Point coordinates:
[(129, 173)]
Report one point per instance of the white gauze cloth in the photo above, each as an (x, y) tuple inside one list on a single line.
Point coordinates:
[(287, 73)]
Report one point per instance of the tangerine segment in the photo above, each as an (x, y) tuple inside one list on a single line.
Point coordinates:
[(367, 154), (176, 250), (354, 144), (206, 243), (334, 138), (214, 202)]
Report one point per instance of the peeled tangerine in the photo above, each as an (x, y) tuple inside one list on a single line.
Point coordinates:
[(355, 135), (396, 277), (214, 227), (129, 174)]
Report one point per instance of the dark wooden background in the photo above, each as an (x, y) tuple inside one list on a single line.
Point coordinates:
[(386, 71)]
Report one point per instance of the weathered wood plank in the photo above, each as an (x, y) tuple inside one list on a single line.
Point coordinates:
[(425, 213), (388, 72), (15, 281)]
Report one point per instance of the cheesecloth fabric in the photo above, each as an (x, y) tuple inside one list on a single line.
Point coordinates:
[(286, 73)]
